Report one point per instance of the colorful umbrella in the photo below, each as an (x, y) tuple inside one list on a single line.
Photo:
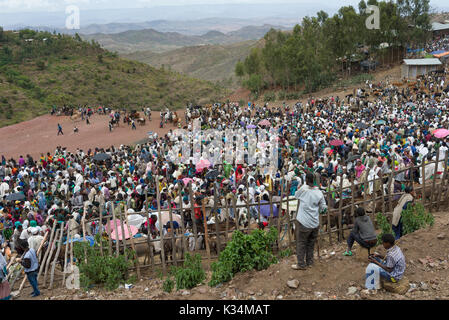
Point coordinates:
[(441, 133), (380, 122), (336, 143), (265, 123), (202, 164), (118, 232), (187, 180), (251, 126)]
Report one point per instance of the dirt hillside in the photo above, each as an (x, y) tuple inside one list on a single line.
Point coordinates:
[(331, 277)]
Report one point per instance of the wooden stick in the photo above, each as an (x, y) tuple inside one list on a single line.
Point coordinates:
[(340, 211), (217, 224), (328, 213), (172, 232), (206, 236), (279, 214), (192, 215), (56, 257), (66, 251), (109, 230), (227, 218), (132, 244), (117, 248), (288, 217), (100, 230), (160, 225), (122, 227), (423, 182), (432, 192), (44, 260), (443, 181), (390, 193), (183, 238), (51, 248)]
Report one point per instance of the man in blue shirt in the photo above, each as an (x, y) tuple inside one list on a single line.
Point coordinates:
[(30, 265)]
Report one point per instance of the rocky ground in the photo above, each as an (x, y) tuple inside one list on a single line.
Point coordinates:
[(334, 277)]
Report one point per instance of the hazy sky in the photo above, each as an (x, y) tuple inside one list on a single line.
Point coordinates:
[(59, 5)]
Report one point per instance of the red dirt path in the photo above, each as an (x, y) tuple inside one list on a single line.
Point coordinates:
[(39, 135)]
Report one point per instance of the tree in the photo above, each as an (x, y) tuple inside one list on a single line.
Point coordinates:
[(1, 34)]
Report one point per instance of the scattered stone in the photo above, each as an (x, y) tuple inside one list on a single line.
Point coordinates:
[(186, 293), (251, 292), (260, 293), (279, 297), (424, 286), (223, 295), (252, 298), (146, 289), (400, 287), (351, 291), (294, 284), (441, 236), (202, 290), (423, 261)]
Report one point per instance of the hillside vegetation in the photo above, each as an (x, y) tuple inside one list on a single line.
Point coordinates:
[(210, 62), (324, 47), (40, 69)]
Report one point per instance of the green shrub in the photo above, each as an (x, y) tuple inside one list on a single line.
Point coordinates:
[(190, 274), (106, 270), (416, 217), (244, 253), (282, 95), (168, 285), (286, 253), (269, 96), (384, 225)]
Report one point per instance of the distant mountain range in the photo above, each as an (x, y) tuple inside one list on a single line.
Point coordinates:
[(158, 42)]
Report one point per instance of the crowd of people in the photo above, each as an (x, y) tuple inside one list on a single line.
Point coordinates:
[(319, 144)]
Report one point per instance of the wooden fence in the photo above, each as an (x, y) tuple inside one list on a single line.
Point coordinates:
[(214, 236)]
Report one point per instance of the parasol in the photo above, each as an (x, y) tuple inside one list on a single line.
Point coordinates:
[(441, 133), (202, 164), (336, 143), (265, 123), (101, 157)]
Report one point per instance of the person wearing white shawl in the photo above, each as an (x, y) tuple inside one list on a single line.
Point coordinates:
[(406, 198), (5, 290)]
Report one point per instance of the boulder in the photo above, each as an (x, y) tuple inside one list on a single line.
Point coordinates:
[(400, 287), (294, 284)]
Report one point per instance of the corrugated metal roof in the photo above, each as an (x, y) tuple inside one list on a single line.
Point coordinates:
[(436, 26), (422, 62)]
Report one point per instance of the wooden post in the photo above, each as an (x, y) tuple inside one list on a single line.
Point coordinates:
[(100, 230), (44, 260), (192, 214), (270, 219), (352, 199), (122, 227), (279, 215), (52, 249), (390, 193), (382, 193), (83, 221), (56, 256), (217, 224), (236, 216), (183, 238), (66, 251), (172, 232), (288, 217), (432, 192), (329, 229), (206, 236), (443, 179), (109, 231), (117, 248), (132, 244), (423, 182), (160, 225), (227, 218)]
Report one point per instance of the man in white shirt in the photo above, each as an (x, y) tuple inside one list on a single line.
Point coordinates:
[(311, 203)]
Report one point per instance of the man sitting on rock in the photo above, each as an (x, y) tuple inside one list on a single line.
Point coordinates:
[(363, 232), (391, 267)]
